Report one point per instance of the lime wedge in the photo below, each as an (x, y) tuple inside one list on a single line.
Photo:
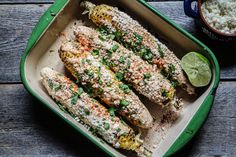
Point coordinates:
[(197, 68)]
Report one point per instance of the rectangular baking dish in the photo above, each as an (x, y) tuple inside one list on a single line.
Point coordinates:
[(59, 20)]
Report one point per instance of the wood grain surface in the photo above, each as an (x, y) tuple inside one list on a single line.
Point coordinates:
[(27, 128)]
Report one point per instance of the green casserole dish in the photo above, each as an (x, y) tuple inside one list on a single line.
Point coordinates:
[(61, 17)]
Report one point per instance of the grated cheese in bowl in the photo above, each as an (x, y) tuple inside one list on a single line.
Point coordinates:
[(221, 15)]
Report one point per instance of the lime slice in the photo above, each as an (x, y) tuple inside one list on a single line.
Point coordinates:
[(197, 68)]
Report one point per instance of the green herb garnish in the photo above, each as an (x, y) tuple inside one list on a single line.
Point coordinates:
[(125, 88), (57, 88), (118, 129), (174, 83), (112, 111), (164, 93), (89, 73), (120, 75), (109, 83), (147, 75), (50, 83), (148, 55), (128, 64), (88, 61), (114, 48), (138, 38), (109, 52), (118, 35), (124, 103), (171, 68), (103, 30), (95, 52), (100, 91), (86, 111), (121, 59), (160, 51), (106, 126), (76, 95)]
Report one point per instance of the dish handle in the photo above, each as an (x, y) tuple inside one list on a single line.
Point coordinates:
[(189, 11)]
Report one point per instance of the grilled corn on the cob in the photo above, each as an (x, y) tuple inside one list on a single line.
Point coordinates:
[(91, 112), (143, 76), (102, 83), (130, 33)]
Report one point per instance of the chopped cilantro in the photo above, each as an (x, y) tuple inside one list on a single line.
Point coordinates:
[(50, 83), (148, 55), (95, 52), (109, 52), (120, 75), (118, 35), (124, 103), (76, 95), (106, 126), (147, 75), (174, 83), (112, 111), (89, 73), (53, 86), (121, 59), (118, 129), (113, 64), (103, 38), (57, 88), (80, 91), (164, 73), (89, 90), (100, 81), (128, 64), (83, 60), (164, 93), (88, 61), (74, 99), (171, 68), (100, 91), (142, 52), (103, 30), (112, 36), (109, 83), (160, 51), (86, 111), (125, 88), (114, 48), (138, 38)]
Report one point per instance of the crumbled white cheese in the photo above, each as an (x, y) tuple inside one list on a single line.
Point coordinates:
[(221, 15)]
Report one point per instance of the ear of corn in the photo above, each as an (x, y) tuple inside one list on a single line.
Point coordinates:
[(91, 112), (102, 83), (136, 38), (141, 75)]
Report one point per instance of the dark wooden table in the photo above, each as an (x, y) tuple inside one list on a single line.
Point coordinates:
[(29, 129)]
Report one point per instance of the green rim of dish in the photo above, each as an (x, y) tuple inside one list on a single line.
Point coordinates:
[(194, 124)]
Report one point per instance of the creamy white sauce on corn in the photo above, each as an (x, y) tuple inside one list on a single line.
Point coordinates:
[(143, 76), (87, 109), (135, 36), (103, 83)]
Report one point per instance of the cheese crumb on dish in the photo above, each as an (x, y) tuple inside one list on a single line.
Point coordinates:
[(221, 15)]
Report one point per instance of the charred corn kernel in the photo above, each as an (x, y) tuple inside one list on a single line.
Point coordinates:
[(102, 83), (91, 112), (141, 75), (133, 36)]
